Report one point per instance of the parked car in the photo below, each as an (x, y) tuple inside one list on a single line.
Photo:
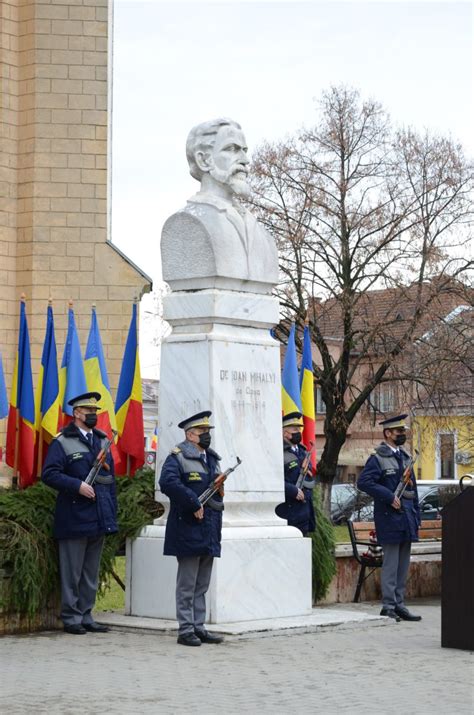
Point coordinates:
[(345, 499), (433, 496)]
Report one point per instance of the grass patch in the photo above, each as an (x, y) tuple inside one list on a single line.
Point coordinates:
[(341, 534), (114, 597)]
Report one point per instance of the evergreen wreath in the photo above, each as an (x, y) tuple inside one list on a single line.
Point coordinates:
[(323, 550), (29, 573)]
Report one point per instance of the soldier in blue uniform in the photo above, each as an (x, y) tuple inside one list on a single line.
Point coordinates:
[(396, 520), (84, 514), (298, 507), (193, 532)]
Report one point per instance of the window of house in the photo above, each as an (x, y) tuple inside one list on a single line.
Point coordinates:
[(320, 405), (447, 447), (383, 398)]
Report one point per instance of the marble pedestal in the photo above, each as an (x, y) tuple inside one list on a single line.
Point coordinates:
[(222, 357)]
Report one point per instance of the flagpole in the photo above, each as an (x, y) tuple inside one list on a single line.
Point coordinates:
[(16, 477), (39, 467)]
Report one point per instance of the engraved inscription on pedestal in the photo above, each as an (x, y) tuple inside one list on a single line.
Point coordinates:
[(248, 391)]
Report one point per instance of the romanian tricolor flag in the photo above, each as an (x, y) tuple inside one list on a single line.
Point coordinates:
[(3, 393), (72, 380), (290, 387), (307, 395), (48, 410), (21, 417), (97, 378), (129, 407), (154, 440)]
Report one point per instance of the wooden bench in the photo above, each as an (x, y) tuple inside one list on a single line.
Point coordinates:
[(368, 553)]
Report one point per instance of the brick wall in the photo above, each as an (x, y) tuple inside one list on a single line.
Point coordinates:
[(53, 236)]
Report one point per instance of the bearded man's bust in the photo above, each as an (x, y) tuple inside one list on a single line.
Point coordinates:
[(214, 242)]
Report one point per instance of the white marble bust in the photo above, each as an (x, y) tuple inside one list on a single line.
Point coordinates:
[(214, 242)]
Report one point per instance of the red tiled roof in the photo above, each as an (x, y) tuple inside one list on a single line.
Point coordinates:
[(382, 317)]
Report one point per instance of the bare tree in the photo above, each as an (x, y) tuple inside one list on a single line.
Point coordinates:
[(373, 228)]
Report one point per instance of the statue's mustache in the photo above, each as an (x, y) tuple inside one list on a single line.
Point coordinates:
[(240, 170)]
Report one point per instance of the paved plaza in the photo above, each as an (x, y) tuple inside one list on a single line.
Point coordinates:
[(357, 668)]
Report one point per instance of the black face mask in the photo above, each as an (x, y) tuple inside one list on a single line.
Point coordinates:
[(295, 438), (205, 440), (400, 439), (90, 419)]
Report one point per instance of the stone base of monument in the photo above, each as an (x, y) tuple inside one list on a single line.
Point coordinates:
[(259, 575), (320, 618), (221, 356)]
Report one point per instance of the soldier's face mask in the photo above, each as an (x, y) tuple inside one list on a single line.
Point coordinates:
[(89, 419), (295, 438), (205, 440), (400, 439)]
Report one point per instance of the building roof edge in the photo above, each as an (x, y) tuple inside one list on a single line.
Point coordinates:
[(131, 263)]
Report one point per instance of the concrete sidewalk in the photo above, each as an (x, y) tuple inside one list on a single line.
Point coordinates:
[(399, 668)]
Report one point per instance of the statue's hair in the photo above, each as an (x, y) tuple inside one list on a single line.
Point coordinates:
[(202, 137)]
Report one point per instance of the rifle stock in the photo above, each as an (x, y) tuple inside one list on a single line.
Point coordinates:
[(217, 484), (305, 466), (406, 478), (98, 462)]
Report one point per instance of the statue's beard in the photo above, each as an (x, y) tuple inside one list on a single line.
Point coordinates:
[(234, 178)]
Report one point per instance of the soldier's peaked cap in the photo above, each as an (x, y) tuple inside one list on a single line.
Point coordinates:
[(393, 422), (201, 419), (88, 399), (292, 419)]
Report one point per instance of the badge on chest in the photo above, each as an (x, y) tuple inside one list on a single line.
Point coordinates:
[(194, 477)]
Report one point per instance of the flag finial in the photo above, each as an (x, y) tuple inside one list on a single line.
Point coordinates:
[(70, 302), (23, 297)]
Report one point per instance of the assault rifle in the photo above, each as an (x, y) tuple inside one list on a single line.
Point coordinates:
[(304, 470), (216, 485), (406, 477), (99, 461)]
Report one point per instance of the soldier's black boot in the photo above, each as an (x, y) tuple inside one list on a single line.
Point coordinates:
[(405, 614), (390, 613), (189, 639)]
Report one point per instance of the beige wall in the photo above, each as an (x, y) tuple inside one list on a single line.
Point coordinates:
[(53, 178)]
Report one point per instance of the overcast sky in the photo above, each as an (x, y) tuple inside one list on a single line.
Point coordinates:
[(262, 63)]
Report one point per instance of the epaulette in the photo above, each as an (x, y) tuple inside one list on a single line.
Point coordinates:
[(175, 450)]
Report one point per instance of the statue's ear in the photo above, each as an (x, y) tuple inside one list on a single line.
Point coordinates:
[(203, 160)]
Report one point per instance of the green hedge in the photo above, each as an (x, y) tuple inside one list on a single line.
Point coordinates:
[(324, 560), (28, 552)]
